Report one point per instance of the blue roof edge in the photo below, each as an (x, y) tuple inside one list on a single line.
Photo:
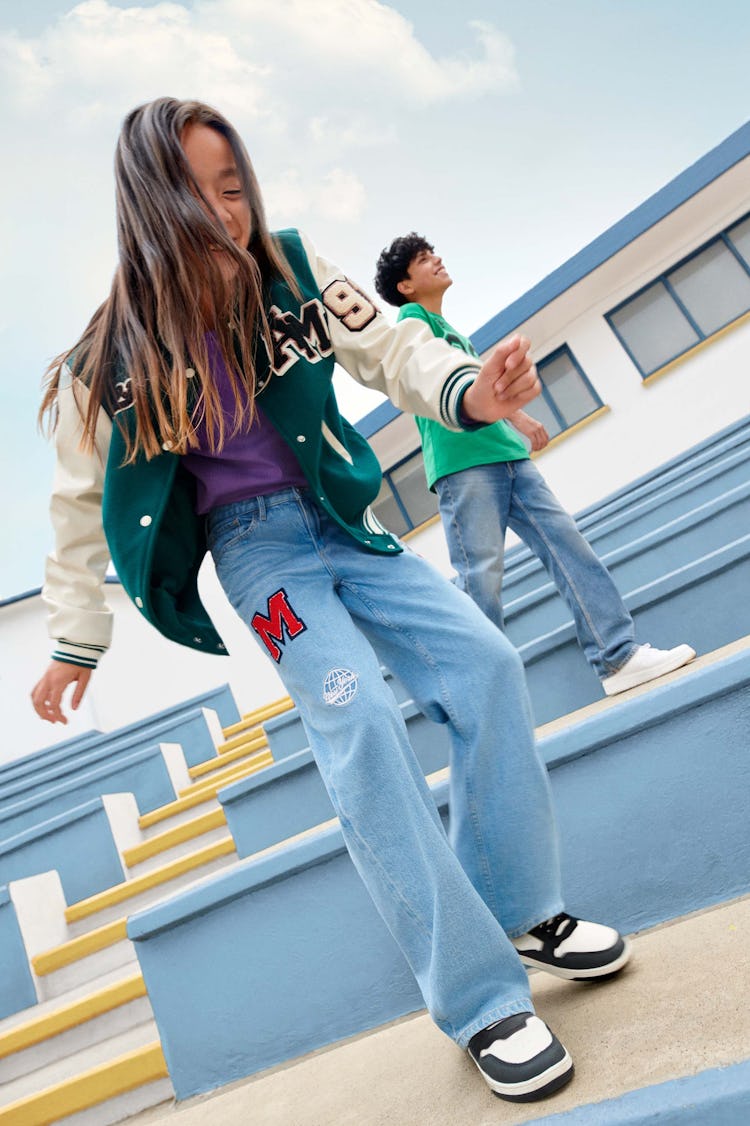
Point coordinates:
[(682, 188)]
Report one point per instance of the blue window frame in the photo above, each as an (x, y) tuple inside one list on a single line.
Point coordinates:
[(567, 394), (696, 298), (404, 501)]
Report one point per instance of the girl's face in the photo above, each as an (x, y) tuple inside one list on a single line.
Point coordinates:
[(212, 162)]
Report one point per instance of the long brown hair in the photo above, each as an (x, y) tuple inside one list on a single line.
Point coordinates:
[(168, 290)]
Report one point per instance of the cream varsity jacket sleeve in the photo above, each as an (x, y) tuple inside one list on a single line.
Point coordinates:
[(419, 373), (79, 619)]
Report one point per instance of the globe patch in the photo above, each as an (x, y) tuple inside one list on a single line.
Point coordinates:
[(340, 687)]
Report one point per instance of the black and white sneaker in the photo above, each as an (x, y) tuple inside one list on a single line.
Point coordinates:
[(573, 948), (520, 1058)]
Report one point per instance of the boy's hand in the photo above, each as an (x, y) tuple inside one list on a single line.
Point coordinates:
[(535, 431), (506, 382), (48, 693)]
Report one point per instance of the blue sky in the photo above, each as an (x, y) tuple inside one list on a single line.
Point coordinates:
[(511, 134)]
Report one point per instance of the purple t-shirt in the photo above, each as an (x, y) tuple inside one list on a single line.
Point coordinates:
[(250, 464)]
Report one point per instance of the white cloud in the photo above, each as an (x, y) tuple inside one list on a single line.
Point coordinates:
[(338, 195), (371, 44), (98, 60)]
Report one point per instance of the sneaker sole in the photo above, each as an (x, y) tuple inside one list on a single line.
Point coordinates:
[(597, 972), (539, 1087), (683, 656)]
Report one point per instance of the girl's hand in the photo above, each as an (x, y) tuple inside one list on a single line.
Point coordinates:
[(506, 382), (48, 693)]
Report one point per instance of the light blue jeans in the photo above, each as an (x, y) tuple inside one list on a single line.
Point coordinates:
[(327, 611), (477, 505)]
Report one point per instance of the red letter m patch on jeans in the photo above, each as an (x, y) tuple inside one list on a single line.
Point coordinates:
[(271, 629)]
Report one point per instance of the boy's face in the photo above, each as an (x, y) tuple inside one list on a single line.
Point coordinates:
[(426, 277)]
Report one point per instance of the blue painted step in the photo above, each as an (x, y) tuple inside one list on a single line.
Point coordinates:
[(145, 773), (16, 984), (181, 721), (704, 603), (78, 844), (703, 529), (700, 466), (289, 796), (640, 518), (718, 1097)]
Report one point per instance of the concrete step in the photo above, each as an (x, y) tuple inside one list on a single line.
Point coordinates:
[(677, 1009), (102, 1095), (108, 907), (175, 842), (66, 1027), (222, 775), (85, 962), (97, 927), (91, 1053), (243, 749)]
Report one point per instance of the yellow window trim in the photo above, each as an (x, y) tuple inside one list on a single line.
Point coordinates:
[(647, 380)]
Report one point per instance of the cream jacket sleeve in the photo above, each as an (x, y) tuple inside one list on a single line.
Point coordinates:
[(79, 619), (419, 373)]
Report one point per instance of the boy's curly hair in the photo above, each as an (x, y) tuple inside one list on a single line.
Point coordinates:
[(393, 265)]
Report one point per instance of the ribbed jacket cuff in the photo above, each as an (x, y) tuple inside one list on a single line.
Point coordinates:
[(454, 389), (77, 653)]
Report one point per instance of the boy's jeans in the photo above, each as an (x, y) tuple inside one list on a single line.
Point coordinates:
[(476, 507), (318, 603)]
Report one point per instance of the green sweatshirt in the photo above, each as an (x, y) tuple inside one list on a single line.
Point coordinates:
[(450, 451)]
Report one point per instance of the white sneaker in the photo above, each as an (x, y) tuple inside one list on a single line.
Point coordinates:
[(520, 1059), (646, 664), (573, 948)]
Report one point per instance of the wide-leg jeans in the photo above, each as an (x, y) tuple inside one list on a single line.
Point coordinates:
[(328, 612), (477, 505)]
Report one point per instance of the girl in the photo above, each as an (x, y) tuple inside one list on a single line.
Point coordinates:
[(196, 412)]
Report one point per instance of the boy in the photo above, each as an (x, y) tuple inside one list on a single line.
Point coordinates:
[(486, 482)]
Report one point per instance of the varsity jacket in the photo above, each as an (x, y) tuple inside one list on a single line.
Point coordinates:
[(142, 515)]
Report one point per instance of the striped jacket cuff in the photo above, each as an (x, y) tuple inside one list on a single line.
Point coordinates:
[(451, 396), (77, 653)]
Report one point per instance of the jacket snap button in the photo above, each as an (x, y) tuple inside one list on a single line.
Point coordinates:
[(300, 437), (198, 640), (145, 521), (139, 603), (190, 372)]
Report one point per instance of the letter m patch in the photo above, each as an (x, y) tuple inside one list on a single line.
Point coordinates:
[(270, 628)]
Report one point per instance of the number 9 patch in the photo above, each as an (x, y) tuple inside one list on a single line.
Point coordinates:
[(349, 305)]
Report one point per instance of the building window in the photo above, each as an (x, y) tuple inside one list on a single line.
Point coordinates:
[(404, 501), (696, 298), (567, 396)]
